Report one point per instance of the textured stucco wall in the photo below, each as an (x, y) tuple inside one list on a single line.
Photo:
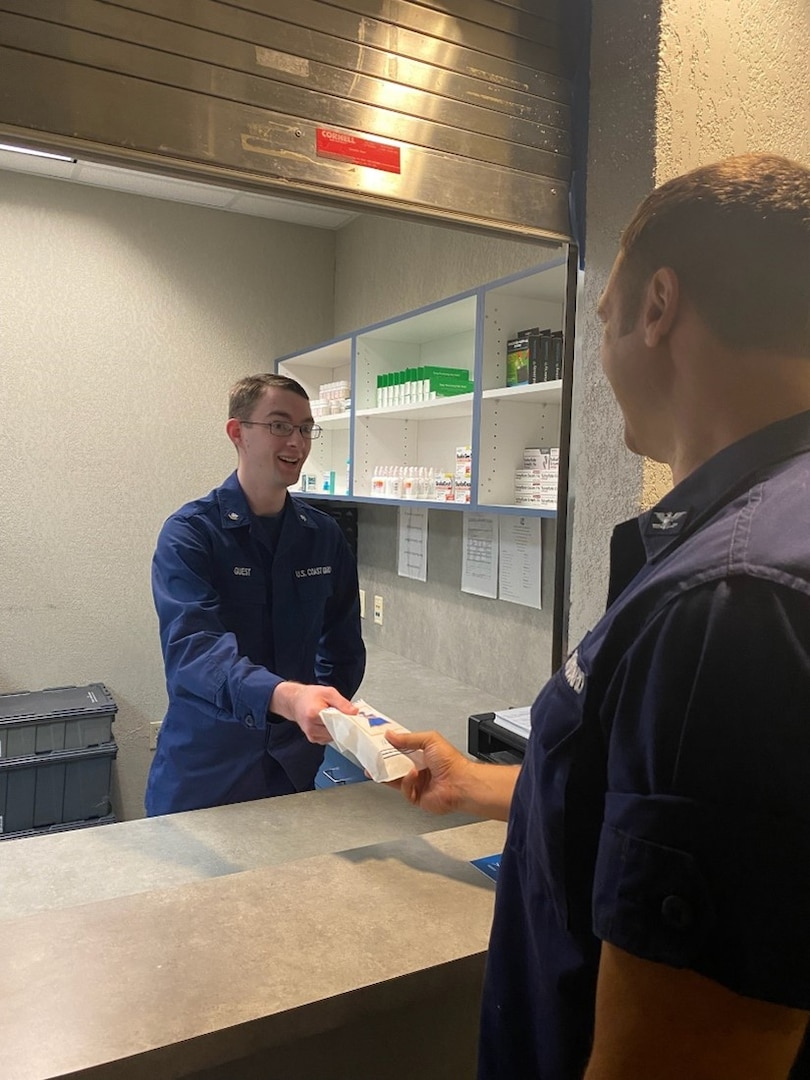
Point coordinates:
[(606, 479), (734, 77), (124, 321), (674, 84)]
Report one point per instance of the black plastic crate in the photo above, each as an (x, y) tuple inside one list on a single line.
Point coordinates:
[(69, 826), (62, 718), (61, 787)]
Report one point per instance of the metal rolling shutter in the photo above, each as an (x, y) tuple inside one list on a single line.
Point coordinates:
[(459, 111)]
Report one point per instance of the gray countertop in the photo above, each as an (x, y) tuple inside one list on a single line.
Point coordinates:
[(172, 944), (178, 946), (63, 869)]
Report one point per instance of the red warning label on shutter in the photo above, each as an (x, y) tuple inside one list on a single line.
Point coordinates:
[(375, 155)]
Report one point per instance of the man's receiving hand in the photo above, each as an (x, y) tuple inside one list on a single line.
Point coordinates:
[(439, 787), (452, 781), (302, 703)]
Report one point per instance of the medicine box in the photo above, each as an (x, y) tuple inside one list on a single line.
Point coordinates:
[(62, 718), (63, 786)]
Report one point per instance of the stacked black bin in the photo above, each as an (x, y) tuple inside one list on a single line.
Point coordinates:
[(56, 755)]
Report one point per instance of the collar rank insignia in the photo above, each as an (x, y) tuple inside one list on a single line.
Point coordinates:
[(667, 520)]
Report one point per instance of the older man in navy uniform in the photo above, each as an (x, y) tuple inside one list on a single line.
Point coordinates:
[(651, 918)]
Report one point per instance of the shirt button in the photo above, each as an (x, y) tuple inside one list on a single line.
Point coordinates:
[(249, 721), (677, 912)]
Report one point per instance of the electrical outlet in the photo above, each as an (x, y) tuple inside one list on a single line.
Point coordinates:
[(362, 603), (378, 610), (154, 731)]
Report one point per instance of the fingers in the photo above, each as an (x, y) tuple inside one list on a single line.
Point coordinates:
[(414, 740), (333, 697), (302, 702), (316, 732), (411, 787)]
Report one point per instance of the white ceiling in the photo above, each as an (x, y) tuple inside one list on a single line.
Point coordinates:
[(186, 191)]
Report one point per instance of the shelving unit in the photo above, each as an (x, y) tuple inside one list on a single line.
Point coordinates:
[(468, 331), (327, 363)]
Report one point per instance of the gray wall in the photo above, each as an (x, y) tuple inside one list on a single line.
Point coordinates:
[(503, 649), (674, 84), (124, 321), (386, 267)]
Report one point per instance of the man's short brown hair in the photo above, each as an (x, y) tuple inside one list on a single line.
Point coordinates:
[(737, 234), (245, 393)]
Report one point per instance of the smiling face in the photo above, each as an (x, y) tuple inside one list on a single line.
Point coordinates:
[(268, 463)]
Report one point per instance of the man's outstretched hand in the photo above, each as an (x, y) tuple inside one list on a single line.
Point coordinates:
[(452, 781)]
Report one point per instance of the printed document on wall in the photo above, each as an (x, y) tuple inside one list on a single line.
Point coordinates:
[(520, 560), (479, 573), (412, 541)]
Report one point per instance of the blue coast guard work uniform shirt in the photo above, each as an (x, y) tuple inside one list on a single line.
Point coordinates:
[(664, 802), (236, 619)]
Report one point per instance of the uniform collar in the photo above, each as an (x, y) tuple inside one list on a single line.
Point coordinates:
[(235, 512), (720, 479), (692, 502), (233, 506)]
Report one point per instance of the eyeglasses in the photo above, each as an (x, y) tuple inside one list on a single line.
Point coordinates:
[(283, 428)]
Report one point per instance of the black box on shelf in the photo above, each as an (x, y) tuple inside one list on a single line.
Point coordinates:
[(517, 361), (62, 718), (556, 359), (537, 354), (62, 787)]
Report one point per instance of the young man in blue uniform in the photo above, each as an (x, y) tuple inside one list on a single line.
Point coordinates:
[(257, 598), (652, 908)]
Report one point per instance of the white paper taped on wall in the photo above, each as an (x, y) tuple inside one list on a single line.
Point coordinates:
[(362, 738)]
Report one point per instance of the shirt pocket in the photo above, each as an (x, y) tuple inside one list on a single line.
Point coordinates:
[(313, 584), (557, 720), (244, 612)]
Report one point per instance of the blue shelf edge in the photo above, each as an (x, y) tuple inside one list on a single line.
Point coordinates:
[(477, 508)]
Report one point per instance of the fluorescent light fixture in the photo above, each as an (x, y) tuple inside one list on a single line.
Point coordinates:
[(36, 153)]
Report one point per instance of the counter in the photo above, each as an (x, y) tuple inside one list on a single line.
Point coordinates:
[(330, 934)]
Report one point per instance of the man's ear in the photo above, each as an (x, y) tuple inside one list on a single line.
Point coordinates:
[(233, 429), (661, 300)]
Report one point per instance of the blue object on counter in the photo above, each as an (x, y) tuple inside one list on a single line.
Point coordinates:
[(489, 865), (337, 770)]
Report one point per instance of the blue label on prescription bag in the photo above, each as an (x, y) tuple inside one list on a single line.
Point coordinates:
[(489, 865)]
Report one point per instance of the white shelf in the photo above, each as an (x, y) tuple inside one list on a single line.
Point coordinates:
[(334, 421), (471, 332), (545, 392), (438, 409), (512, 508), (431, 504)]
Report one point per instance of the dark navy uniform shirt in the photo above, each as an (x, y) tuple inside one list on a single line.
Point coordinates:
[(226, 648), (664, 802)]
